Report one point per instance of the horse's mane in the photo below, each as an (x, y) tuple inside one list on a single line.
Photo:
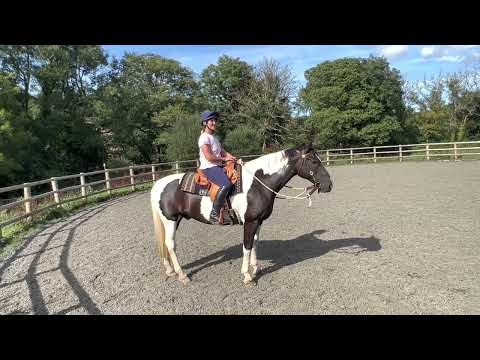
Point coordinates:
[(270, 163)]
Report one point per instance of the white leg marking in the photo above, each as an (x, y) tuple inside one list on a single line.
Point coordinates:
[(253, 256), (245, 264), (168, 267), (246, 260), (170, 229)]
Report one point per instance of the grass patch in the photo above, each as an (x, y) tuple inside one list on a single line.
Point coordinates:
[(14, 234)]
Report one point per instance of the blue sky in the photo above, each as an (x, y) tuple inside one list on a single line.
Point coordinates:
[(413, 61)]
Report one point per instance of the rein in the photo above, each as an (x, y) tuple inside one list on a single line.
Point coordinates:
[(283, 196)]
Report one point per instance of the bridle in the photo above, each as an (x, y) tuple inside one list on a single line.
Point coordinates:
[(308, 191), (316, 183)]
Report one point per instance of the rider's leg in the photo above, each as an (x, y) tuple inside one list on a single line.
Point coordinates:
[(217, 176)]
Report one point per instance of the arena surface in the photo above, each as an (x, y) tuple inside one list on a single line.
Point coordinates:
[(389, 239)]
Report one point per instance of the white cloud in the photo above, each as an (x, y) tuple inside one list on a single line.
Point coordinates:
[(417, 60), (394, 51), (449, 53), (462, 47), (452, 58), (428, 51)]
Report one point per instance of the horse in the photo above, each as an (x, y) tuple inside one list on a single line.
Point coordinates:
[(262, 179)]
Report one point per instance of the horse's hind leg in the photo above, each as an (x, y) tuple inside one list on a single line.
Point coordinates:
[(169, 270), (160, 235), (170, 229)]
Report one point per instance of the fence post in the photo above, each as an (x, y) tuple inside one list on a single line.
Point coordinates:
[(455, 151), (82, 182), (153, 173), (351, 156), (132, 179), (428, 152), (107, 179), (1, 237), (27, 194), (400, 156), (176, 167), (374, 154), (56, 195), (328, 158)]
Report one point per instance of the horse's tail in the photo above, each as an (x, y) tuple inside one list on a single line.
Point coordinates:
[(159, 227)]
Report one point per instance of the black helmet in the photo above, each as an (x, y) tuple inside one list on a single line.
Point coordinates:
[(207, 115)]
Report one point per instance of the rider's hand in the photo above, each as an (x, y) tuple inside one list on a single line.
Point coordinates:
[(230, 158), (240, 162)]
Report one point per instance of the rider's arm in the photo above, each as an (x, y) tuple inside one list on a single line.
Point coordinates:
[(209, 155), (227, 154)]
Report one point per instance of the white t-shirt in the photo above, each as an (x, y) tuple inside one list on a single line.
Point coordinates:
[(215, 146)]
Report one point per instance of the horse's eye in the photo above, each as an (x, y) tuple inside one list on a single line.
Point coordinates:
[(311, 172)]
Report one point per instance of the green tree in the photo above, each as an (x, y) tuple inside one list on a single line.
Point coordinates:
[(135, 100), (70, 139), (446, 107), (464, 105), (266, 105), (13, 137), (354, 102), (244, 140), (221, 84), (182, 138), (20, 61)]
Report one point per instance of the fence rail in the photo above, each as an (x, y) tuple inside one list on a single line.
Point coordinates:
[(129, 176), (431, 151)]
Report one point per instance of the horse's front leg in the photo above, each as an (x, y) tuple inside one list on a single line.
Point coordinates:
[(249, 232), (253, 256)]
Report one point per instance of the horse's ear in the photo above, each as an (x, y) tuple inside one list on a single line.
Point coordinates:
[(302, 147), (305, 148)]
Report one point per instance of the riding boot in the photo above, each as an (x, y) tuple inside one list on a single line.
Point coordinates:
[(218, 205)]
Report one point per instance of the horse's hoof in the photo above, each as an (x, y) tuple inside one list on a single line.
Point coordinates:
[(250, 284), (184, 280), (256, 270), (170, 273), (247, 279)]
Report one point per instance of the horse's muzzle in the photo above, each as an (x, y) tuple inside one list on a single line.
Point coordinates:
[(325, 187)]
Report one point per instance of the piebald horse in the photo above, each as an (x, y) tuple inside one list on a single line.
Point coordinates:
[(261, 179)]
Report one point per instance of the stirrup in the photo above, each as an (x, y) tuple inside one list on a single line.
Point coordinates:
[(226, 218), (214, 218)]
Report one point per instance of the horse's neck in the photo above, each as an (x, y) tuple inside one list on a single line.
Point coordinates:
[(277, 171), (278, 181)]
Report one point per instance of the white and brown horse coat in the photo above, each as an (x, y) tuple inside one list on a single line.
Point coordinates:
[(255, 204)]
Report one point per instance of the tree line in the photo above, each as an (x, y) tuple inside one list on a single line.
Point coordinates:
[(67, 109)]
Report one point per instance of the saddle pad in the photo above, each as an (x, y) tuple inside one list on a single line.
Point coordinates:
[(189, 185), (188, 182)]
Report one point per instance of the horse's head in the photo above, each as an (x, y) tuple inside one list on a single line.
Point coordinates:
[(309, 166)]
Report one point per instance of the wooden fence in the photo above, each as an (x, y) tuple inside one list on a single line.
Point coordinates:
[(136, 175), (434, 151)]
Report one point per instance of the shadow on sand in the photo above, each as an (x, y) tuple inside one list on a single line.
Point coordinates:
[(282, 253)]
